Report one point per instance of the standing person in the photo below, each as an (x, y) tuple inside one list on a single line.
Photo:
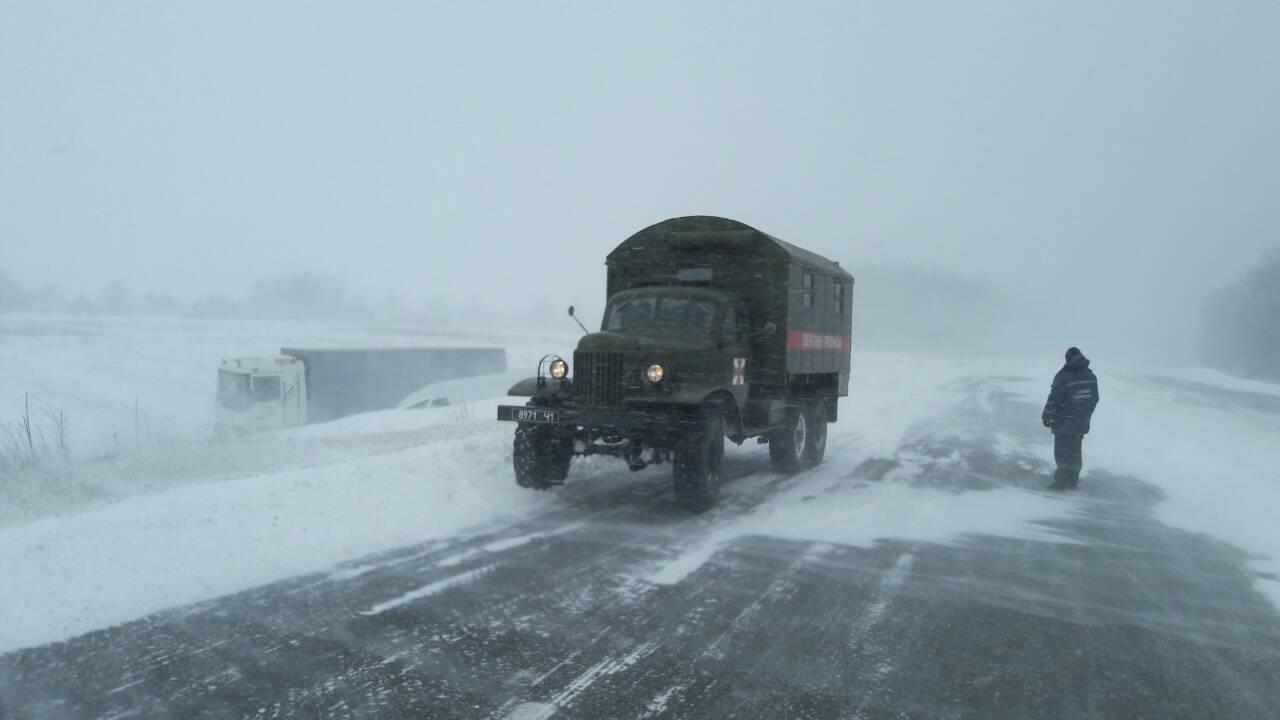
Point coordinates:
[(1072, 398)]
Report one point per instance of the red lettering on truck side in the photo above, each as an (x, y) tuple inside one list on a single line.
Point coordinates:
[(803, 340)]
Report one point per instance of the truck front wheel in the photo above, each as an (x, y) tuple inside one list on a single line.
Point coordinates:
[(541, 456), (698, 462)]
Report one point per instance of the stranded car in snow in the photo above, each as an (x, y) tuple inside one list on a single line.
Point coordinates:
[(302, 386), (713, 329)]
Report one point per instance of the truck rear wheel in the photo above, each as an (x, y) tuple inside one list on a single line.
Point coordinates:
[(541, 456), (815, 446), (787, 444), (698, 462)]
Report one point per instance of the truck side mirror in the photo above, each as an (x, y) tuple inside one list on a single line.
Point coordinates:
[(575, 319)]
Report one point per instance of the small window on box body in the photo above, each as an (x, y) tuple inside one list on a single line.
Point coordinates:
[(808, 289), (839, 298), (699, 274)]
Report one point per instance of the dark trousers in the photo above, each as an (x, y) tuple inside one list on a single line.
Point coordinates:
[(1068, 453)]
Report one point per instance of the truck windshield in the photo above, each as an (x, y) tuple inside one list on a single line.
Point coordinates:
[(668, 313), (233, 390)]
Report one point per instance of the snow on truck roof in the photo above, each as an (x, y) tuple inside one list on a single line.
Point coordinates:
[(709, 229)]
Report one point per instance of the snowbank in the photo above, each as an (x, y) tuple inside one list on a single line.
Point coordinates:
[(72, 574)]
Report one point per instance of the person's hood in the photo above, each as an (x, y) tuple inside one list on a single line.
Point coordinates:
[(1078, 362)]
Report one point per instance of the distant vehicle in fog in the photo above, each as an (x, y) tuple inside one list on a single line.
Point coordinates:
[(713, 329), (302, 386)]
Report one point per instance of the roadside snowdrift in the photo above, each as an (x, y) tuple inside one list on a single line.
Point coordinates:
[(71, 574)]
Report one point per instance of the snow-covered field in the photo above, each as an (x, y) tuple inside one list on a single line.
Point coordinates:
[(149, 515)]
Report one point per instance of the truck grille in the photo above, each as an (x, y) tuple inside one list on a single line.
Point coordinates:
[(598, 379)]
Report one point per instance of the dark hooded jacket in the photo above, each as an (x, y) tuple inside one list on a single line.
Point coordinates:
[(1072, 398)]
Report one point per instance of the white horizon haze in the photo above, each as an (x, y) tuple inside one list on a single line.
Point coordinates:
[(1109, 164)]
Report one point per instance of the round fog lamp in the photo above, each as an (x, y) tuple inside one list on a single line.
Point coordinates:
[(654, 373), (559, 368)]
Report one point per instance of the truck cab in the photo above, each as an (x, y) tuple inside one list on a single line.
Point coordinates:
[(712, 330), (257, 394), (678, 345)]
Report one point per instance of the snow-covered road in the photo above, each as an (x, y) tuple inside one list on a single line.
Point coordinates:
[(920, 572)]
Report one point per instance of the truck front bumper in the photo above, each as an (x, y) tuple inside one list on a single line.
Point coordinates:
[(599, 420)]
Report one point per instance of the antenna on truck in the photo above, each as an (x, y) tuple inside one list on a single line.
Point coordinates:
[(585, 331)]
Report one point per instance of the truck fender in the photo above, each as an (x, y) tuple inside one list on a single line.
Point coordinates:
[(525, 388), (732, 414), (553, 391)]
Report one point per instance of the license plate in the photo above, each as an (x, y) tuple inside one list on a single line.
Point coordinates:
[(528, 414)]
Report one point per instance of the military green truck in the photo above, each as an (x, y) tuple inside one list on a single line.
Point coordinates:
[(712, 329)]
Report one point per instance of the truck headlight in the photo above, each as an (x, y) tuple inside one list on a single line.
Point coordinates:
[(654, 373), (559, 368)]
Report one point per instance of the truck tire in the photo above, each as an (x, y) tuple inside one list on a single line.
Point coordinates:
[(815, 446), (787, 444), (540, 456), (698, 462)]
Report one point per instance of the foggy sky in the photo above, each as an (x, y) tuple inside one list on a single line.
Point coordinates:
[(1110, 162)]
